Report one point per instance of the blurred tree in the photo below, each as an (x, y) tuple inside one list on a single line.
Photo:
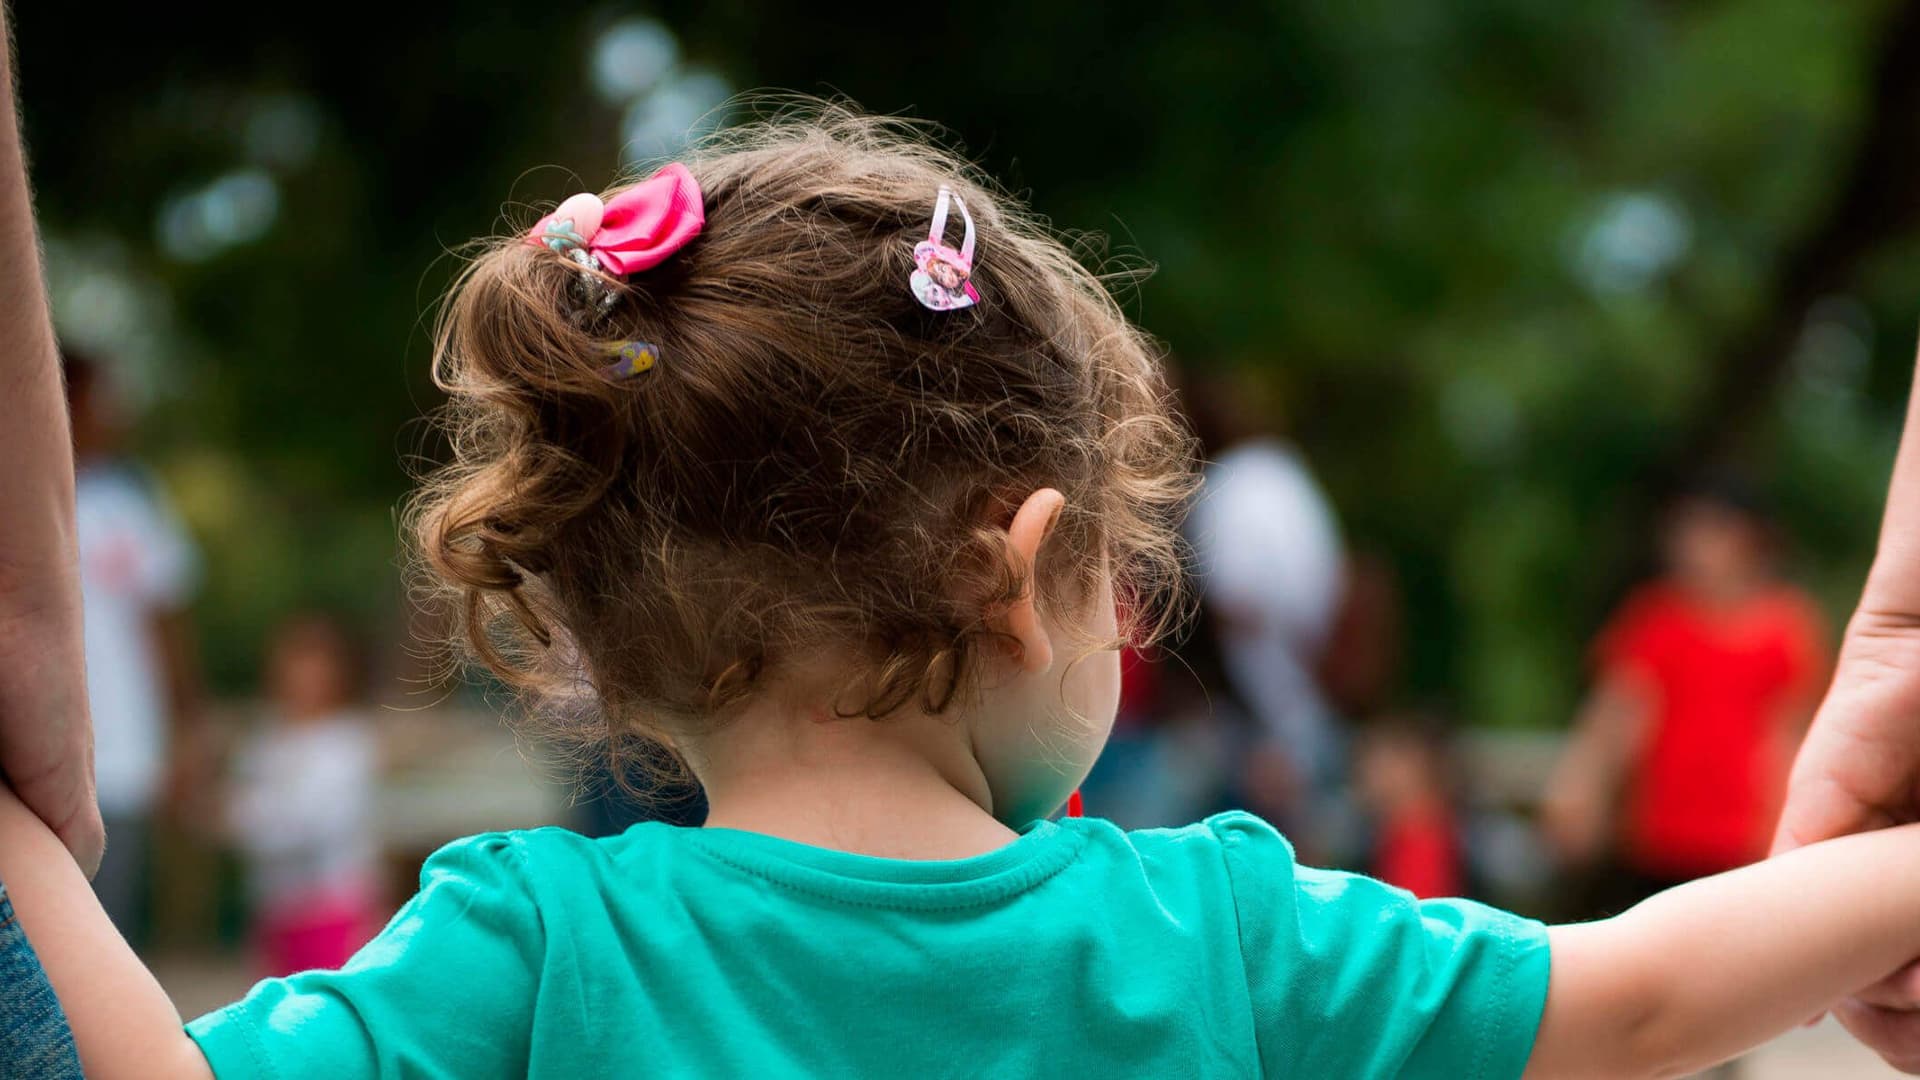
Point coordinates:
[(1504, 263)]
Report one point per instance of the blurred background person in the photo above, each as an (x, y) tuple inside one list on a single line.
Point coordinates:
[(1169, 758), (1705, 680), (138, 569), (1404, 776), (1270, 570), (302, 804)]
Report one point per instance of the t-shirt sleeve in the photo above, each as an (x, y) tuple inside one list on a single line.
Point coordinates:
[(446, 990), (1350, 977)]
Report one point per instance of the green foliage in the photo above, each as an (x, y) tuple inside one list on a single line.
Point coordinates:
[(1396, 211)]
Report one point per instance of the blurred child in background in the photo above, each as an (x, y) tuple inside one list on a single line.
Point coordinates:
[(302, 805), (1706, 679), (1404, 772)]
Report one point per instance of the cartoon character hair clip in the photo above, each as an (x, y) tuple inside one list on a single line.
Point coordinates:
[(942, 275), (630, 359)]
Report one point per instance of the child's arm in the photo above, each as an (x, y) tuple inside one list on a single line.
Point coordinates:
[(122, 1021), (1703, 972)]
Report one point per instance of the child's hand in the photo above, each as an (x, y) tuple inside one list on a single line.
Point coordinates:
[(1574, 822)]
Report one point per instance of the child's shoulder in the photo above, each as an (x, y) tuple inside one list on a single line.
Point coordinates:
[(544, 851), (1216, 844), (1226, 829)]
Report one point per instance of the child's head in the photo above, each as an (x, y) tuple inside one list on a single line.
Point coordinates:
[(821, 490), (1404, 760), (1718, 534), (313, 668)]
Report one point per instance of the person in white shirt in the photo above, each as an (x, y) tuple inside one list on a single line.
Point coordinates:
[(138, 570), (1271, 568), (301, 805)]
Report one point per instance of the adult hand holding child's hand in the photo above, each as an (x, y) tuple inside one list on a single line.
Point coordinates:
[(1860, 766)]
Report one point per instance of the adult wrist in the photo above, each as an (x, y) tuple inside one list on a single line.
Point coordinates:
[(39, 597)]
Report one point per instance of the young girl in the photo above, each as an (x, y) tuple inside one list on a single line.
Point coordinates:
[(1403, 770), (301, 808), (856, 561)]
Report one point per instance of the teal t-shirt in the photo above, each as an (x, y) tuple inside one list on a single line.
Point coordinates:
[(1077, 950)]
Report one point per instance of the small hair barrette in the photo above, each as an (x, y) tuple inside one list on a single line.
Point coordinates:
[(633, 231), (942, 276), (630, 359)]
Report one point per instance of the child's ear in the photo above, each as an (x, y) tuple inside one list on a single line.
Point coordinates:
[(1031, 525)]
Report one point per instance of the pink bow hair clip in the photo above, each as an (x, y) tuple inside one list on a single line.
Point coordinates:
[(636, 230), (942, 275)]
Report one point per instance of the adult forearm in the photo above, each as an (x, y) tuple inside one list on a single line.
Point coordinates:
[(46, 748), (1703, 972), (36, 484)]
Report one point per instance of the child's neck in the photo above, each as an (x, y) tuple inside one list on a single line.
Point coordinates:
[(906, 787)]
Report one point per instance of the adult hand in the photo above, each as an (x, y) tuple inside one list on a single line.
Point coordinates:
[(1860, 766), (46, 741), (46, 747), (1860, 769)]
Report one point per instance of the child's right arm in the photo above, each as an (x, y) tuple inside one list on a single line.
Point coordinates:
[(1701, 973), (447, 990), (123, 1023)]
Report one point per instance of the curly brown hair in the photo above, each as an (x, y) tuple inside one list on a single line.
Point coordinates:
[(816, 461)]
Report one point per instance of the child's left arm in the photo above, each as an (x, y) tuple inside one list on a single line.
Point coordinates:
[(1701, 973), (123, 1023)]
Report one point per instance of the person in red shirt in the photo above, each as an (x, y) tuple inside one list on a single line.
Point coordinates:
[(1705, 680)]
